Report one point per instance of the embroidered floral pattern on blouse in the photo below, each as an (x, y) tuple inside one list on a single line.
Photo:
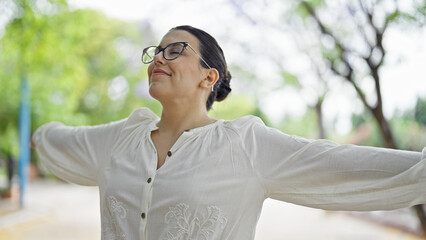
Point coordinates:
[(188, 227), (113, 210), (117, 207)]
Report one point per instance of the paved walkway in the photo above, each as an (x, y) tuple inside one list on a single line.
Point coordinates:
[(63, 211)]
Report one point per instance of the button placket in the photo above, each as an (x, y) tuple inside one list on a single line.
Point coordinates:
[(186, 135), (147, 185), (148, 195), (147, 192)]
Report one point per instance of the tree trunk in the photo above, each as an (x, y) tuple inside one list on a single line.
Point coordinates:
[(386, 133), (318, 110), (384, 127)]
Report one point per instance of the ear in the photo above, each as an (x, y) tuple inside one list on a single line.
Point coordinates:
[(211, 77)]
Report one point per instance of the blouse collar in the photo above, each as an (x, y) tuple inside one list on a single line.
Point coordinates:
[(153, 126)]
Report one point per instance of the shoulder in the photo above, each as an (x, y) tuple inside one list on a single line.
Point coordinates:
[(244, 125), (252, 127), (135, 126), (141, 116), (244, 122)]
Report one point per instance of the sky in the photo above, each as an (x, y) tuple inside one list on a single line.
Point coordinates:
[(239, 25)]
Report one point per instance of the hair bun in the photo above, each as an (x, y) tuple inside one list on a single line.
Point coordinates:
[(224, 87)]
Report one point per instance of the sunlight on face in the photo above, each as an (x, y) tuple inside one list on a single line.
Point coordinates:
[(176, 80)]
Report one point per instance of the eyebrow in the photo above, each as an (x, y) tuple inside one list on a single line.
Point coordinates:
[(159, 45)]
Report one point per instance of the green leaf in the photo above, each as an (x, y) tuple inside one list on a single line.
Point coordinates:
[(290, 79), (393, 17), (302, 11)]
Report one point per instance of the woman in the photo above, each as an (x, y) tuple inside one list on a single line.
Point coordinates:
[(188, 176)]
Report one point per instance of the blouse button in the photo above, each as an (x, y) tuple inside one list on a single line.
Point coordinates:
[(169, 153), (143, 215), (149, 180)]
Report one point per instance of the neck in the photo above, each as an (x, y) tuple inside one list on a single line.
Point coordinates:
[(177, 119)]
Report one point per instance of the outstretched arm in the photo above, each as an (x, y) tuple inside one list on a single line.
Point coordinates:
[(326, 175), (75, 154)]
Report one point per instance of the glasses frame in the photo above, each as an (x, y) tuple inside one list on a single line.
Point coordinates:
[(160, 49)]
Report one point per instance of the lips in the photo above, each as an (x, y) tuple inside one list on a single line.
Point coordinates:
[(160, 72)]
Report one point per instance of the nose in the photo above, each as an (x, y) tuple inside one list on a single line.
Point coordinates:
[(159, 59)]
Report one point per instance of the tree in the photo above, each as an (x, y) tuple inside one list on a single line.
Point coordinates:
[(344, 40), (75, 63), (370, 20)]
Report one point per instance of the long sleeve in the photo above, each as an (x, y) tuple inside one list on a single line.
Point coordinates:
[(326, 175), (76, 154)]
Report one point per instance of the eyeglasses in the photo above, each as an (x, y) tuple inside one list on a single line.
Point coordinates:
[(170, 52)]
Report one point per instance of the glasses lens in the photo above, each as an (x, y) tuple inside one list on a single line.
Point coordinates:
[(173, 51), (148, 54)]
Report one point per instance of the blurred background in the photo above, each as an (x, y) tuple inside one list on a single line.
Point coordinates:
[(350, 71)]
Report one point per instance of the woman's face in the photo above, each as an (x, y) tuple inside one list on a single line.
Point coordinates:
[(179, 79)]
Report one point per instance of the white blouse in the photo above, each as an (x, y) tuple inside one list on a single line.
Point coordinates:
[(216, 177)]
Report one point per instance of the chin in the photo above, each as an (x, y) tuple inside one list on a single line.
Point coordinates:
[(152, 92), (157, 92)]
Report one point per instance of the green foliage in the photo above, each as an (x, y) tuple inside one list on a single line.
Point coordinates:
[(420, 111), (393, 16), (290, 79), (366, 134), (232, 107), (66, 56), (301, 7), (359, 120), (77, 71), (397, 17), (243, 73), (9, 139), (306, 126), (410, 135), (302, 11), (421, 10)]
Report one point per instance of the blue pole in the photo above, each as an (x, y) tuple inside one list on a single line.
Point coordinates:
[(24, 138)]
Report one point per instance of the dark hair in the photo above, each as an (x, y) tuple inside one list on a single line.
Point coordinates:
[(212, 53)]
